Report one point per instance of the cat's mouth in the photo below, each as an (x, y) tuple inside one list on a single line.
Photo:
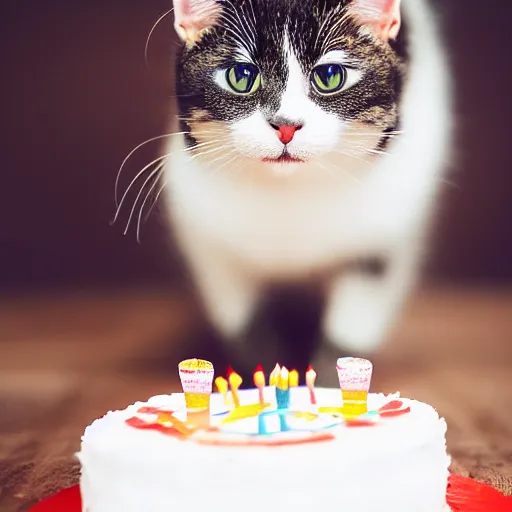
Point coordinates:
[(284, 158)]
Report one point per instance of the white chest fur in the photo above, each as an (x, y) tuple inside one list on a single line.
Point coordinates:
[(311, 218)]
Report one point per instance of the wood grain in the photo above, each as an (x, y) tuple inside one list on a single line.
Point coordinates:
[(66, 360)]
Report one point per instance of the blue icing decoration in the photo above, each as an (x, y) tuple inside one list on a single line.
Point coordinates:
[(285, 427), (283, 398)]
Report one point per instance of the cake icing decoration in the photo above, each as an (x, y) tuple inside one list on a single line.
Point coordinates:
[(165, 422), (393, 408), (273, 417)]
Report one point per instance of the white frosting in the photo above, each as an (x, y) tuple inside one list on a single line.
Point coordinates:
[(399, 465)]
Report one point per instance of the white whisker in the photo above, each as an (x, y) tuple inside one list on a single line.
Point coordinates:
[(368, 134), (326, 21), (153, 28), (238, 37), (221, 157), (377, 152), (155, 201), (221, 167), (352, 152), (153, 172), (197, 155), (161, 161), (317, 162), (199, 145), (254, 21), (141, 211), (243, 25), (134, 180), (339, 169), (142, 144)]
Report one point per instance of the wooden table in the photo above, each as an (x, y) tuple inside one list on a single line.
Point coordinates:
[(66, 360)]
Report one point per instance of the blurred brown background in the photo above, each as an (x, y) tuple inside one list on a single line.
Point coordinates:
[(89, 316)]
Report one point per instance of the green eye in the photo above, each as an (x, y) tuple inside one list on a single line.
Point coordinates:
[(243, 78), (328, 78)]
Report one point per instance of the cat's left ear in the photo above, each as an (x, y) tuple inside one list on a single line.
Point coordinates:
[(381, 16), (192, 18)]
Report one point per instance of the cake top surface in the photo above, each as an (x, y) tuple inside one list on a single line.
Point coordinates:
[(278, 414)]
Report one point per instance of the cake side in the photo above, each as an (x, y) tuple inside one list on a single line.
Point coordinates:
[(399, 464)]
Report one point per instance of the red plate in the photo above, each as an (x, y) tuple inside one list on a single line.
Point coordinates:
[(463, 495), (68, 500)]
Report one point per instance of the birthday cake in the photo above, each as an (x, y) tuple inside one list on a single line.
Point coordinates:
[(278, 446)]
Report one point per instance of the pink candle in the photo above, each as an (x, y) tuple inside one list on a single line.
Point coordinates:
[(310, 382)]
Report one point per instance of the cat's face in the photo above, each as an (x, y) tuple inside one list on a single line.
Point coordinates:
[(289, 81)]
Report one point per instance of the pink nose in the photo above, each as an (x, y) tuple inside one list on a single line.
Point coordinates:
[(286, 132)]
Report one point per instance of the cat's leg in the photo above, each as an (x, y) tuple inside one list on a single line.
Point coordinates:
[(363, 304), (228, 294)]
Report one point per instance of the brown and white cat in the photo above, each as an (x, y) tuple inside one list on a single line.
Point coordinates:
[(315, 133)]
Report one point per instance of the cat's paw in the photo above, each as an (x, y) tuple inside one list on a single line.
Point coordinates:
[(231, 311), (228, 296), (358, 314)]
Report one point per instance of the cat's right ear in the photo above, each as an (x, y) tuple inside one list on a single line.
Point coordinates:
[(192, 18), (381, 16)]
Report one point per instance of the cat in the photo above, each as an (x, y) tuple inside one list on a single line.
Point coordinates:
[(314, 138)]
